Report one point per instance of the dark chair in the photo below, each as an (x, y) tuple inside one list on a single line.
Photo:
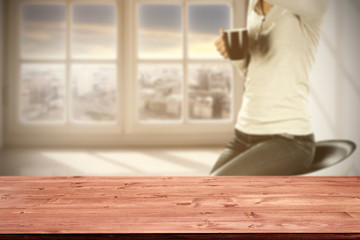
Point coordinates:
[(330, 153)]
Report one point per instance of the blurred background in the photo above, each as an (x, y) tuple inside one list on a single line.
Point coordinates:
[(137, 88)]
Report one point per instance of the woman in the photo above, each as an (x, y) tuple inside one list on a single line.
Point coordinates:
[(273, 134)]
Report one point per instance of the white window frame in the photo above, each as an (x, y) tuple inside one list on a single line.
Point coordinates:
[(68, 128), (184, 127), (127, 131)]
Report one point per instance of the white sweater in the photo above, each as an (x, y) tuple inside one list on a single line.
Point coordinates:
[(282, 48)]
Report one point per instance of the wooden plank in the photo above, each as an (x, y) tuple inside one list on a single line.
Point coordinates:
[(213, 236), (182, 236), (187, 205)]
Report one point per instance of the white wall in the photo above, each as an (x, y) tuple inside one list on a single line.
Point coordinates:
[(1, 72), (335, 78)]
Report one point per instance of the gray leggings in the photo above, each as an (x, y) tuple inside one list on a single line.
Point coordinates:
[(265, 155)]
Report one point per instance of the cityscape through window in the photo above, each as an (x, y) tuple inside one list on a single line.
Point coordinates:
[(198, 85), (70, 65)]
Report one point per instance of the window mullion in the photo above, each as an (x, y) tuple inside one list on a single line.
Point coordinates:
[(68, 62), (185, 64), (120, 6)]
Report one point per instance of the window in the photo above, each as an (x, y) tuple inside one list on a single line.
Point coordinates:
[(181, 77), (119, 69), (42, 85), (68, 68)]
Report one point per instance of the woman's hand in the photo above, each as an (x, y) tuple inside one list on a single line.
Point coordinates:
[(220, 45)]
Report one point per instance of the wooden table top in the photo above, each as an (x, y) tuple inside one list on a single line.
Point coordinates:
[(114, 205)]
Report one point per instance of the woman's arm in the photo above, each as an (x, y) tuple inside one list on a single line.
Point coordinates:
[(303, 8)]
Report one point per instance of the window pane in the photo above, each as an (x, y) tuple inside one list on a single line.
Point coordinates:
[(94, 31), (160, 91), (43, 31), (94, 93), (205, 21), (160, 31), (210, 87), (42, 93)]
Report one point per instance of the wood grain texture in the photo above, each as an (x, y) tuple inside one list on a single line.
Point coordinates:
[(158, 236), (186, 205)]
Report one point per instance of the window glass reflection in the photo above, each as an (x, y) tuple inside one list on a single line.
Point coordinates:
[(204, 24), (42, 93), (94, 31), (160, 91), (160, 31), (43, 31), (94, 93), (210, 91)]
